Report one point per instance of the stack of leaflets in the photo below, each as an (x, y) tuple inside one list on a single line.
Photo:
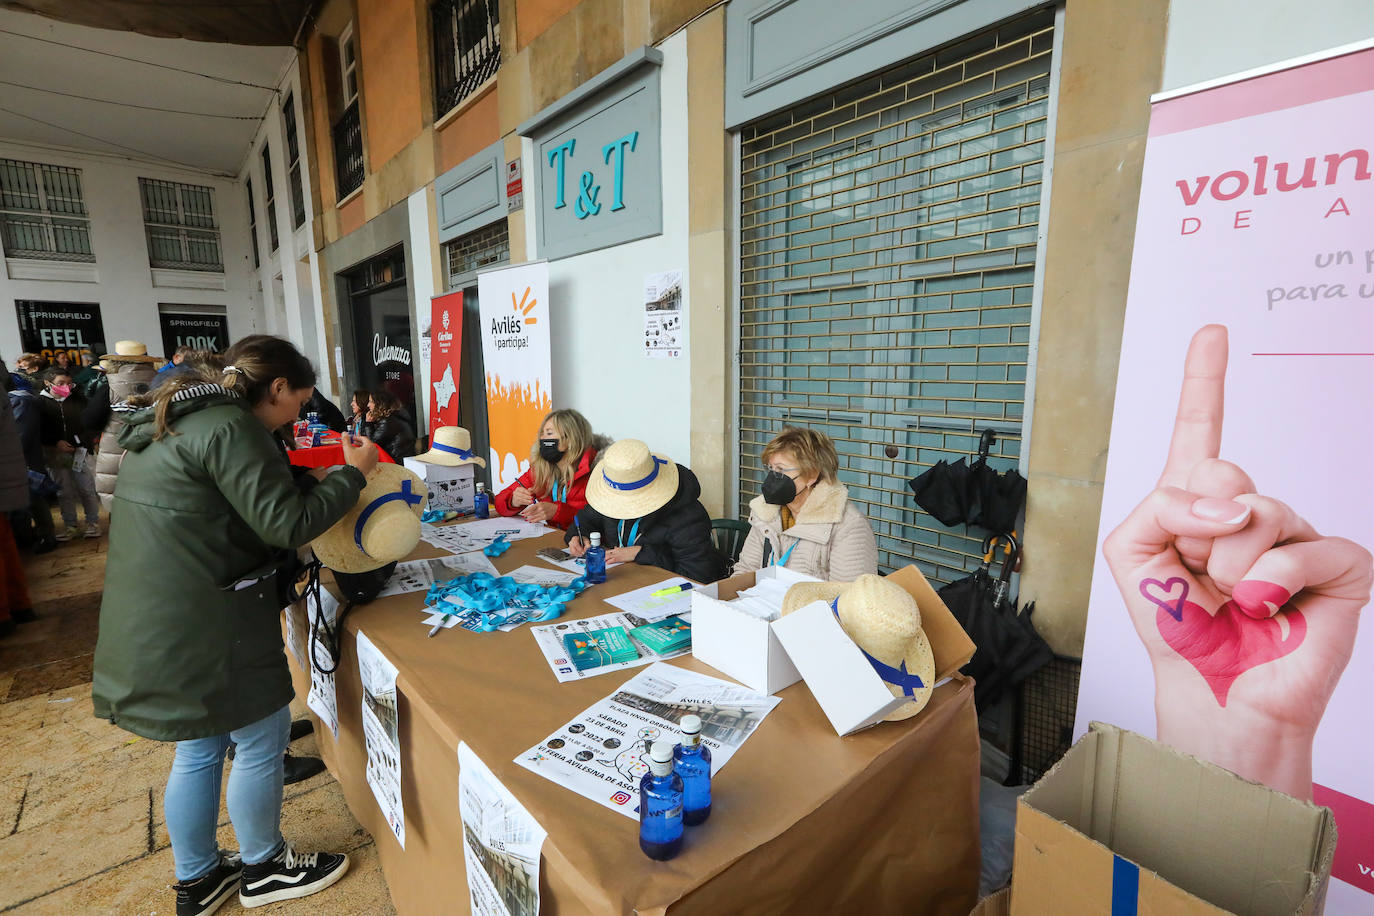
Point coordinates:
[(666, 636), (594, 648)]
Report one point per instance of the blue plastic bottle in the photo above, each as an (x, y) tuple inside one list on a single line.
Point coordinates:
[(596, 561), (660, 805), (692, 761), (481, 503)]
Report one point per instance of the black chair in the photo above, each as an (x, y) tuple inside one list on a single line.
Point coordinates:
[(728, 535)]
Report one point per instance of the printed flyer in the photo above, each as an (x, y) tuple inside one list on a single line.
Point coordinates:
[(664, 332), (322, 700), (501, 842), (469, 536), (419, 575), (381, 730), (577, 649), (598, 754), (1233, 559)]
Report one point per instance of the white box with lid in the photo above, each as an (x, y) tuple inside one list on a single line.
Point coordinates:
[(449, 488)]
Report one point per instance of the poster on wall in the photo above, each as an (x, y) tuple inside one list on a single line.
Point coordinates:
[(382, 733), (1233, 563), (193, 329), (501, 842), (514, 303), (444, 359), (663, 315), (74, 328)]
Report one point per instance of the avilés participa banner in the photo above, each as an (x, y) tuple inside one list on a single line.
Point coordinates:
[(445, 359), (74, 328), (1234, 557), (514, 304)]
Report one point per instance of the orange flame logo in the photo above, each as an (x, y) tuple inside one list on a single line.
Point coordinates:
[(524, 309)]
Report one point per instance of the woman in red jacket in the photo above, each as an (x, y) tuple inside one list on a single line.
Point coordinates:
[(553, 490)]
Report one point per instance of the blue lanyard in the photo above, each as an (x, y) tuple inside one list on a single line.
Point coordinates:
[(553, 495), (480, 599), (783, 560), (634, 533)]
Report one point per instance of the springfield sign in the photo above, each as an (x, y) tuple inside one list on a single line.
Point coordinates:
[(194, 329), (74, 328), (1234, 568)]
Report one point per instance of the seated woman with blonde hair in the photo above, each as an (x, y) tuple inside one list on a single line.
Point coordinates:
[(554, 489), (804, 520)]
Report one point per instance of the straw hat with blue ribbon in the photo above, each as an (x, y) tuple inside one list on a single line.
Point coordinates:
[(451, 446), (884, 622), (629, 481), (383, 527)]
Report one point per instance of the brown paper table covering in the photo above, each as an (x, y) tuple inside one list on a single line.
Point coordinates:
[(802, 821)]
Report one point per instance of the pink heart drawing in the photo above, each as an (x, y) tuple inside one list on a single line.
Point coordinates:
[(1224, 646)]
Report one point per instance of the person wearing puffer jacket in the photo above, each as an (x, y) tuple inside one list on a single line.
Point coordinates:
[(803, 519), (130, 372)]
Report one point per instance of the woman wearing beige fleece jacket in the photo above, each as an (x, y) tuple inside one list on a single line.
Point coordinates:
[(804, 519)]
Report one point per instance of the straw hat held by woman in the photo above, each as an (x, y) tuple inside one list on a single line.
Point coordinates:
[(803, 519), (647, 510), (190, 646)]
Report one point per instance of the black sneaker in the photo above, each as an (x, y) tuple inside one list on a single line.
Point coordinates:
[(298, 769), (200, 898), (290, 875)]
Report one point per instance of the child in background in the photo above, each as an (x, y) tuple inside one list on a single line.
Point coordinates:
[(68, 449)]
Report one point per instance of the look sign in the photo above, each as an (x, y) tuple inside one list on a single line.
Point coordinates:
[(589, 190)]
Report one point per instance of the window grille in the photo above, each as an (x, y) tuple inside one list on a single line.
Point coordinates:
[(470, 253), (348, 151), (888, 246), (253, 224), (293, 162), (271, 196), (467, 49), (43, 213), (180, 224)]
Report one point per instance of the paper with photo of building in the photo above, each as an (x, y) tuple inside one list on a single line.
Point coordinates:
[(381, 731), (322, 700), (599, 754), (664, 316), (501, 842)]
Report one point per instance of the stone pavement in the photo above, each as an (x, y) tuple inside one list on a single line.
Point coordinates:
[(81, 826)]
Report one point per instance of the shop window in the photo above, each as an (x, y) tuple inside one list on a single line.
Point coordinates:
[(467, 49), (293, 162), (43, 213), (271, 200), (888, 249), (179, 220), (470, 253), (253, 224)]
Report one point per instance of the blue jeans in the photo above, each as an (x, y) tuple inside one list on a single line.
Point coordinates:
[(191, 802)]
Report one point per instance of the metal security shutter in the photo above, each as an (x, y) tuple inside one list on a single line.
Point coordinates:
[(888, 245)]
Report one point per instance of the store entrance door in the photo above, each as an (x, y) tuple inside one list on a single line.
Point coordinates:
[(380, 307)]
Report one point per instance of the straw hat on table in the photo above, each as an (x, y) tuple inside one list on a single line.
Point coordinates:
[(451, 446), (630, 481), (383, 527), (884, 622)]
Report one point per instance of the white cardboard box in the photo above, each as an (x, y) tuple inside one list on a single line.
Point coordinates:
[(449, 488), (738, 644), (845, 685)]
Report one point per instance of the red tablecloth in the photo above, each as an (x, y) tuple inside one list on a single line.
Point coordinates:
[(327, 456)]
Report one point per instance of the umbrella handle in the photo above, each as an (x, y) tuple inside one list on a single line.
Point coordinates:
[(986, 442)]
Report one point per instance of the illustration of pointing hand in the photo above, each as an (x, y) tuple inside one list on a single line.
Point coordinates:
[(1248, 614)]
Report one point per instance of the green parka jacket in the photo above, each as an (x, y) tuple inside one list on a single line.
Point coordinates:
[(190, 630)]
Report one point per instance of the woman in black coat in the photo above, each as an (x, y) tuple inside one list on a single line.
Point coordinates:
[(647, 510), (391, 426)]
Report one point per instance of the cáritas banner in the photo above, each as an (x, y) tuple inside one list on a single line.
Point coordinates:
[(1234, 559), (445, 359)]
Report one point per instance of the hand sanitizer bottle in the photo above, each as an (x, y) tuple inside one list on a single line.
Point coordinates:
[(692, 761), (660, 805), (481, 503), (596, 561)]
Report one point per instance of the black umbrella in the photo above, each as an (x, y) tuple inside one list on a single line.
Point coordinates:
[(998, 499), (1008, 647), (943, 490)]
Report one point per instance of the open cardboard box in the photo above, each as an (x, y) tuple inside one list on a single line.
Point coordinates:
[(810, 644), (450, 488), (1124, 824)]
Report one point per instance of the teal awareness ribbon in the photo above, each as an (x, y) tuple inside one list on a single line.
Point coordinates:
[(634, 532), (787, 555), (483, 600), (554, 493), (897, 677)]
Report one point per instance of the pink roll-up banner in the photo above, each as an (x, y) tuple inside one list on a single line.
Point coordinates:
[(1233, 563)]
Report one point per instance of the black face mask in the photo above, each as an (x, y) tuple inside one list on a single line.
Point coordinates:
[(549, 451), (778, 489)]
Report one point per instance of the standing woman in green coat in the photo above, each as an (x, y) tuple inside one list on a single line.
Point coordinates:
[(190, 646)]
